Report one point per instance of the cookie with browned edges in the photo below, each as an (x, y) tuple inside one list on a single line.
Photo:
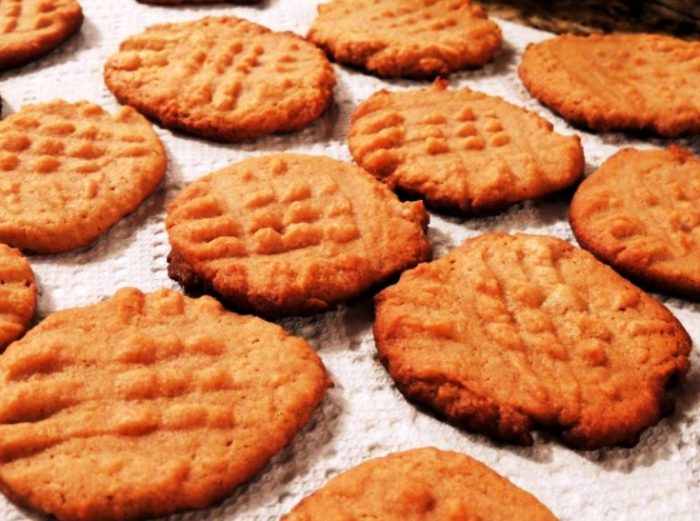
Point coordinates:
[(462, 151), (509, 333), (147, 404), (420, 485), (640, 213), (289, 234), (222, 78), (406, 38), (618, 81)]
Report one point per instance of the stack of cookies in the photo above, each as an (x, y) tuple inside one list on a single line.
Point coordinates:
[(139, 403)]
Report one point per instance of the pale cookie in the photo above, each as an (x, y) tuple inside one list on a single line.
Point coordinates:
[(640, 213), (17, 295), (618, 81), (462, 151), (69, 171), (406, 38), (31, 28), (222, 78), (509, 333), (143, 405), (421, 485), (288, 234)]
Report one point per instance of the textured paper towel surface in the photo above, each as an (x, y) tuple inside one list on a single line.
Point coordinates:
[(364, 416)]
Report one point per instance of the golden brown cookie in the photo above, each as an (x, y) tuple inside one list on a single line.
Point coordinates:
[(640, 213), (288, 234), (513, 332), (143, 405), (69, 171), (420, 485), (222, 78), (461, 150), (406, 38), (32, 28), (618, 81), (17, 295)]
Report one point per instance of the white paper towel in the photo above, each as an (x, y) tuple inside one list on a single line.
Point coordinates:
[(364, 416)]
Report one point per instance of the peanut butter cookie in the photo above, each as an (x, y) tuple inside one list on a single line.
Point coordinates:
[(17, 295), (69, 171), (462, 151), (513, 332), (421, 485), (222, 78), (618, 81), (143, 405), (288, 234), (406, 38), (32, 28), (640, 213)]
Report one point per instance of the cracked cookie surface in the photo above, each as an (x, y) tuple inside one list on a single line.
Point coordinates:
[(146, 404), (618, 81), (69, 171), (514, 332), (222, 78), (406, 38), (288, 234), (461, 150)]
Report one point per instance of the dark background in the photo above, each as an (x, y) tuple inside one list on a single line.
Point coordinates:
[(677, 17)]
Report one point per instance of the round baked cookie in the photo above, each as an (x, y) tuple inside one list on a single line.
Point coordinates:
[(406, 38), (288, 234), (514, 332), (69, 171), (17, 295), (618, 81), (420, 485), (461, 150), (32, 28), (640, 213), (143, 405), (223, 78)]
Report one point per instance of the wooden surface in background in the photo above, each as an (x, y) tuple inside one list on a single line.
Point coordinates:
[(677, 17)]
